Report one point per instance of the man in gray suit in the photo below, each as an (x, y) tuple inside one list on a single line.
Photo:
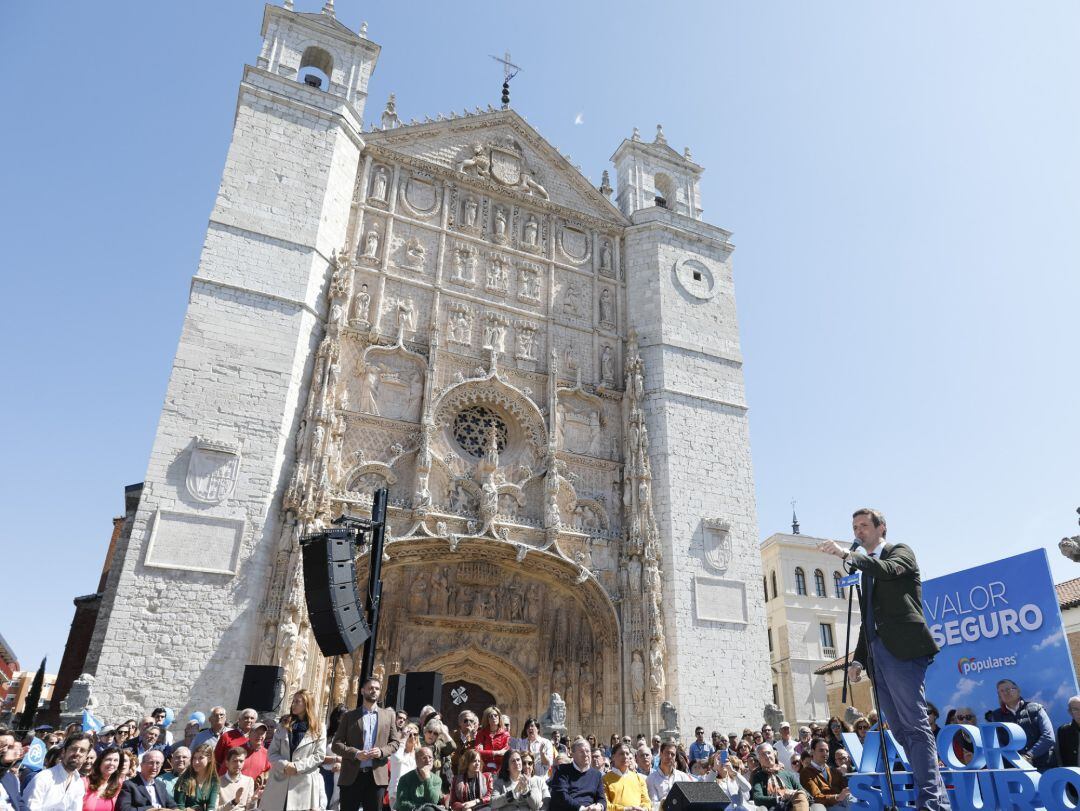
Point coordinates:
[(365, 739), (894, 636)]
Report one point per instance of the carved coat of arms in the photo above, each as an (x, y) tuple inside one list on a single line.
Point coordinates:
[(505, 165), (717, 543), (212, 470)]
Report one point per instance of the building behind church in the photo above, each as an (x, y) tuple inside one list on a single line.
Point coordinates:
[(545, 374)]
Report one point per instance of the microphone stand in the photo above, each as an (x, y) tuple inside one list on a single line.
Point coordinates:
[(885, 756)]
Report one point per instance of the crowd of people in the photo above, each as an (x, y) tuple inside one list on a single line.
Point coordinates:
[(379, 759)]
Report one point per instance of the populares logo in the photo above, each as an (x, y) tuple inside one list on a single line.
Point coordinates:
[(970, 664)]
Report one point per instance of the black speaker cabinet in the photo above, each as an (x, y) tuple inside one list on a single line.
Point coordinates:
[(412, 692), (693, 796), (333, 602), (261, 688)]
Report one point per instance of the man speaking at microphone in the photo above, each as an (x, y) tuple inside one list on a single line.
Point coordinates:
[(894, 633)]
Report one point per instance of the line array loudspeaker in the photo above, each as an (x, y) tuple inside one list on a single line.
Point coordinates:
[(694, 796), (333, 602), (411, 692), (261, 688)]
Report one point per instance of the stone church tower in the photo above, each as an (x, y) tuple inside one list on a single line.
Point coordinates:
[(549, 384)]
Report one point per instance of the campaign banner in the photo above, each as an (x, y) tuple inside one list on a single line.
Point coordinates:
[(998, 621)]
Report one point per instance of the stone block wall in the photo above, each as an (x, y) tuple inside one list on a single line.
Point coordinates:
[(179, 620)]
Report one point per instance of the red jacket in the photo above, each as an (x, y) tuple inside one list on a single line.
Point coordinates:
[(487, 744), (229, 738)]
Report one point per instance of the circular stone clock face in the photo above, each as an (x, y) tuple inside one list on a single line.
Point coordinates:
[(695, 278)]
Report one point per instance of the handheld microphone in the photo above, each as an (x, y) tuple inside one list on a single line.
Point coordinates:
[(854, 545)]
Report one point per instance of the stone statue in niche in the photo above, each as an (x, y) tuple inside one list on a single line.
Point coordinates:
[(586, 686), (529, 280), (517, 601), (558, 676), (656, 667), (361, 307), (552, 518), (532, 232), (418, 595), (533, 603), (371, 244), (380, 185), (460, 327), (607, 366), (605, 255), (440, 592), (494, 335), (607, 309), (337, 312), (471, 209), (570, 300), (637, 682), (500, 225)]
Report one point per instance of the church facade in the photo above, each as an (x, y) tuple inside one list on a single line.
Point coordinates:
[(548, 381)]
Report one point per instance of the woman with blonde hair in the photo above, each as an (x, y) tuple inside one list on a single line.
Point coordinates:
[(493, 740), (198, 786), (295, 755)]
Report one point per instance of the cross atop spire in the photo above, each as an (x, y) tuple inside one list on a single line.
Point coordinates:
[(510, 70), (794, 519)]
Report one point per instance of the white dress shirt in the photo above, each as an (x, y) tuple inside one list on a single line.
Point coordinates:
[(659, 784), (55, 790)]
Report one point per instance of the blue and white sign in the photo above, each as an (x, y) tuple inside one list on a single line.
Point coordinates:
[(998, 621), (34, 757)]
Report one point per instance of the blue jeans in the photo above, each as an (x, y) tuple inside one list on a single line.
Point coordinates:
[(900, 687)]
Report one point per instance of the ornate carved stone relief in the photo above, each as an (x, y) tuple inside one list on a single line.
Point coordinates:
[(503, 161), (529, 276), (393, 380), (459, 324), (525, 347), (463, 264), (717, 540), (498, 274), (212, 470)]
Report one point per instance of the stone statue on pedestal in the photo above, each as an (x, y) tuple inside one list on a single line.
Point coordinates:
[(554, 720)]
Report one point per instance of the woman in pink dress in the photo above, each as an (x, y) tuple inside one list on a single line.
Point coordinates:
[(103, 784)]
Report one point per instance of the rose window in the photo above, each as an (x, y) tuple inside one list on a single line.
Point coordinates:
[(471, 427)]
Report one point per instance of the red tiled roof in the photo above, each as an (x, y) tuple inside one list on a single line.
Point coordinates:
[(835, 664), (1068, 593)]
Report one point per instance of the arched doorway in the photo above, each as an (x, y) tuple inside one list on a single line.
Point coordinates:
[(519, 629), (459, 695)]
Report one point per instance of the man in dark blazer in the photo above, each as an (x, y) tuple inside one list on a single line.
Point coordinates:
[(10, 752), (895, 642), (365, 739), (577, 785), (1068, 737), (145, 790)]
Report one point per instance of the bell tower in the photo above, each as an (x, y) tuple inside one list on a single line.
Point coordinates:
[(681, 303), (209, 523)]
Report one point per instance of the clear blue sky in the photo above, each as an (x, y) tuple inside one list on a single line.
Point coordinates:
[(902, 181)]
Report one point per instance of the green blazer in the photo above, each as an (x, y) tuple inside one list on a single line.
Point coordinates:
[(897, 596), (759, 786)]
